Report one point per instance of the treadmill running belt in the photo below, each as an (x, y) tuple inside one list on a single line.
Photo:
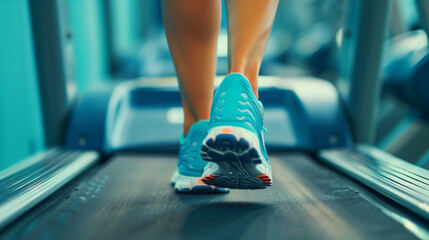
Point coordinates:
[(131, 198)]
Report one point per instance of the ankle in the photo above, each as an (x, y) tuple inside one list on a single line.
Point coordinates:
[(187, 126)]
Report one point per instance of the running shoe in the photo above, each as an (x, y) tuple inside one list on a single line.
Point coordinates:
[(234, 145), (187, 177)]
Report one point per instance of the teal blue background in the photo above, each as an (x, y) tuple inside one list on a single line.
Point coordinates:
[(89, 42), (21, 123), (21, 130), (124, 26)]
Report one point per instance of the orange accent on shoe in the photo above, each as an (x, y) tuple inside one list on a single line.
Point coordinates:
[(226, 130), (200, 181), (265, 179), (208, 180), (262, 176)]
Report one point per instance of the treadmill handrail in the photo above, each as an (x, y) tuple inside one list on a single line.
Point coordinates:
[(34, 188), (397, 179)]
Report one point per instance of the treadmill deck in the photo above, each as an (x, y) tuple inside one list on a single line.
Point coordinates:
[(130, 197)]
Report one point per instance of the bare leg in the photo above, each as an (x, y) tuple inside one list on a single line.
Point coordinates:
[(192, 28), (249, 27)]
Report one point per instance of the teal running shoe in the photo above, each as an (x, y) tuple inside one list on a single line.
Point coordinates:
[(234, 145), (187, 177)]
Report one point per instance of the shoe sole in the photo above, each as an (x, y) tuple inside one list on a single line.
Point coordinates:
[(238, 161)]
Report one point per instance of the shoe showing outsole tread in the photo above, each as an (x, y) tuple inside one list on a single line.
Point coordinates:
[(239, 157)]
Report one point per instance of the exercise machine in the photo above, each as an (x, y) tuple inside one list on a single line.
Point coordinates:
[(108, 177)]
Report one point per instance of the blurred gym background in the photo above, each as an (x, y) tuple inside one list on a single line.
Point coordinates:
[(120, 40)]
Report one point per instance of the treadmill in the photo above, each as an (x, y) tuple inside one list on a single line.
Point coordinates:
[(110, 179)]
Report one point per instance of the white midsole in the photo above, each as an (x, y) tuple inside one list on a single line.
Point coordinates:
[(180, 181)]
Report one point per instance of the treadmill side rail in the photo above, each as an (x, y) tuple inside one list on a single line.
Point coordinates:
[(398, 180), (24, 185)]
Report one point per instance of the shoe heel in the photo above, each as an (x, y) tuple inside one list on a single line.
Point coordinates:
[(233, 149), (226, 144)]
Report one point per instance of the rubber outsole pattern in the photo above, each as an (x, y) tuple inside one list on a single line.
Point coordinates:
[(238, 155), (201, 190)]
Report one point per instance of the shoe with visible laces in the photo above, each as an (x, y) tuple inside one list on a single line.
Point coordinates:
[(234, 145), (187, 177)]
